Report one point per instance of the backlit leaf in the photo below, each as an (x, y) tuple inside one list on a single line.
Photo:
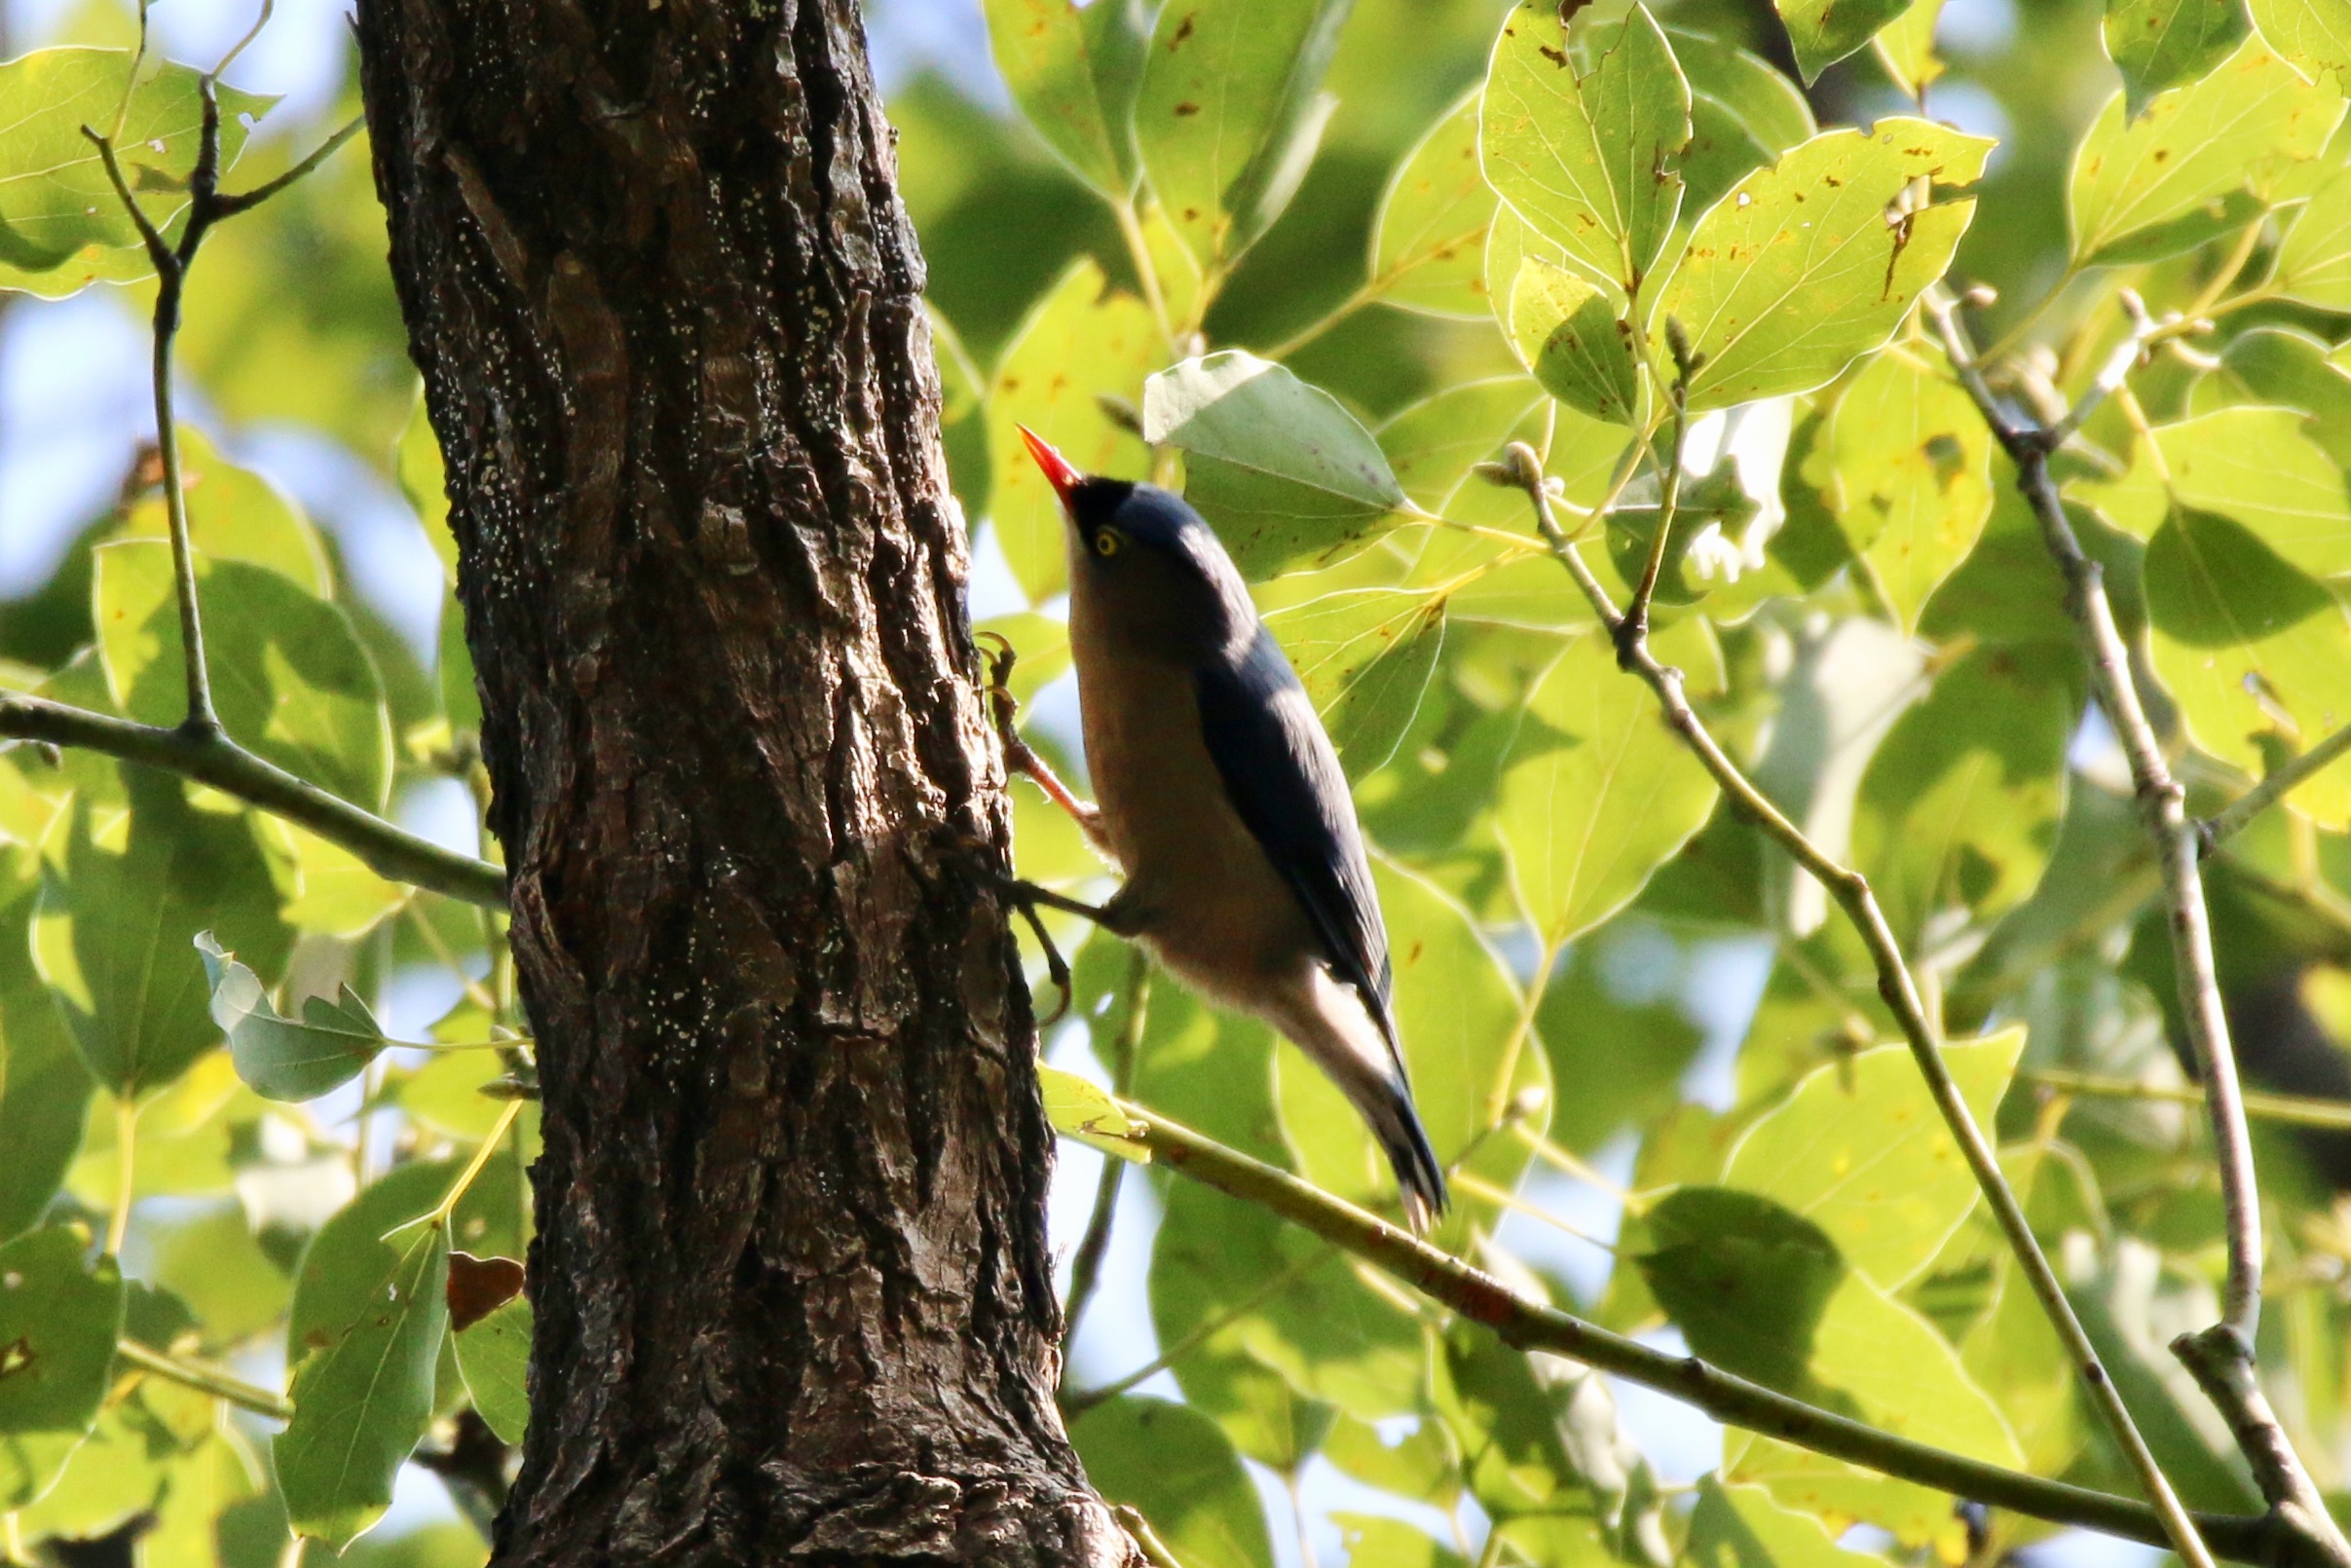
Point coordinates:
[(1913, 466), (1173, 1464), (1743, 113), (1081, 340), (2314, 34), (1568, 332), (1798, 269), (2197, 161), (1587, 158), (1428, 244), (2259, 465), (2160, 44), (1598, 791), (1074, 72), (61, 225), (1825, 31)]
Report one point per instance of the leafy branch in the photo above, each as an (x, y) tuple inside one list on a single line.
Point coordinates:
[(1895, 986), (199, 747), (2221, 1358), (1527, 1324), (204, 1379)]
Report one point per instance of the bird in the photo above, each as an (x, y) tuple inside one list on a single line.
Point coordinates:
[(1221, 801)]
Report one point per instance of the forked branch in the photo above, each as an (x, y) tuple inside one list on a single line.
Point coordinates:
[(1895, 985)]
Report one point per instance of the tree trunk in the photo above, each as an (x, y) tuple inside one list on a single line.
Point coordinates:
[(793, 1294)]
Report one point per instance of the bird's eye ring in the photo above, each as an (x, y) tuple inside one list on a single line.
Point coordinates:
[(1107, 541)]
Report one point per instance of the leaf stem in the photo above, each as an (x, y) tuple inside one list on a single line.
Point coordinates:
[(1900, 993), (1078, 1401), (2178, 850), (1146, 272), (1527, 1324), (213, 757), (2292, 1110), (125, 1171), (473, 1167), (204, 1379), (2272, 789), (1323, 324)]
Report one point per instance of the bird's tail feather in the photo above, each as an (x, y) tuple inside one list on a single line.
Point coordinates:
[(1337, 1030)]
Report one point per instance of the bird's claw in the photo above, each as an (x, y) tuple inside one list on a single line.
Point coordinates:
[(976, 856)]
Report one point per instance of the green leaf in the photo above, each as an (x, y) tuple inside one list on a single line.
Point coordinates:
[(1567, 330), (1427, 244), (1860, 1150), (1230, 114), (1367, 656), (1421, 1464), (1913, 466), (1173, 1464), (290, 678), (2259, 466), (2277, 365), (1375, 1537), (1513, 1452), (364, 1339), (2198, 162), (1597, 791), (59, 1318), (1081, 340), (1588, 158), (1825, 31), (112, 933), (1083, 1112), (61, 226), (1747, 1281), (1796, 270), (1906, 47), (279, 1058), (1959, 809), (2252, 650), (2314, 34), (44, 1087), (1283, 473), (1432, 444), (2160, 44), (494, 1354), (212, 1259), (1743, 113), (1743, 1527), (1282, 1303), (1074, 72), (327, 889)]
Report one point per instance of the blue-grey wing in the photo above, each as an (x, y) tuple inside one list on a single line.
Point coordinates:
[(1285, 784)]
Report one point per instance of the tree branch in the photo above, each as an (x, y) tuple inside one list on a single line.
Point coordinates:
[(1085, 1269), (1900, 993), (1733, 1400), (207, 1380), (2272, 789), (2178, 850), (210, 757), (2293, 1110)]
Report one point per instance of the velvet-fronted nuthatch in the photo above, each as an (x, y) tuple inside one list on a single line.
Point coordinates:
[(1221, 799)]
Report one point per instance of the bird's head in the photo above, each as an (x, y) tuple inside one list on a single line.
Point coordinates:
[(1152, 568)]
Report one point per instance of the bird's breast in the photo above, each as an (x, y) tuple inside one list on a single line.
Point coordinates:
[(1207, 899)]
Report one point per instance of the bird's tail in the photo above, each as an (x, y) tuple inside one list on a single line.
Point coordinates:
[(1337, 1030)]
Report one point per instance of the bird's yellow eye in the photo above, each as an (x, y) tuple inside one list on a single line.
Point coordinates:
[(1107, 541)]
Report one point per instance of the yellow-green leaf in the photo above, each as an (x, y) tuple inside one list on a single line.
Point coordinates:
[(1428, 246)]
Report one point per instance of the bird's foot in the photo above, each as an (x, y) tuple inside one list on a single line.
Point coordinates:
[(977, 857), (1018, 757)]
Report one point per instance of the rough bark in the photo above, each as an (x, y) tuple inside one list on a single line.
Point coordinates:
[(793, 1294)]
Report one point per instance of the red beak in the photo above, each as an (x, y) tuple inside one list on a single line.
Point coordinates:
[(1057, 467)]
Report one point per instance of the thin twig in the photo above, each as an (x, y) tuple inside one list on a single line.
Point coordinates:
[(2291, 1110), (2179, 848), (246, 201), (2272, 789), (1528, 1325), (1077, 1401), (1900, 994), (1085, 1267), (214, 759), (125, 1169), (207, 1380), (1154, 1551)]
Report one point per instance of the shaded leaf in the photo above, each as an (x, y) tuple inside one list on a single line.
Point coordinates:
[(369, 1312), (280, 1058), (1906, 47), (1568, 332), (2259, 465), (1173, 1464), (1743, 1527), (494, 1354), (59, 1317), (1276, 466), (44, 1087), (1743, 113), (2160, 44)]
